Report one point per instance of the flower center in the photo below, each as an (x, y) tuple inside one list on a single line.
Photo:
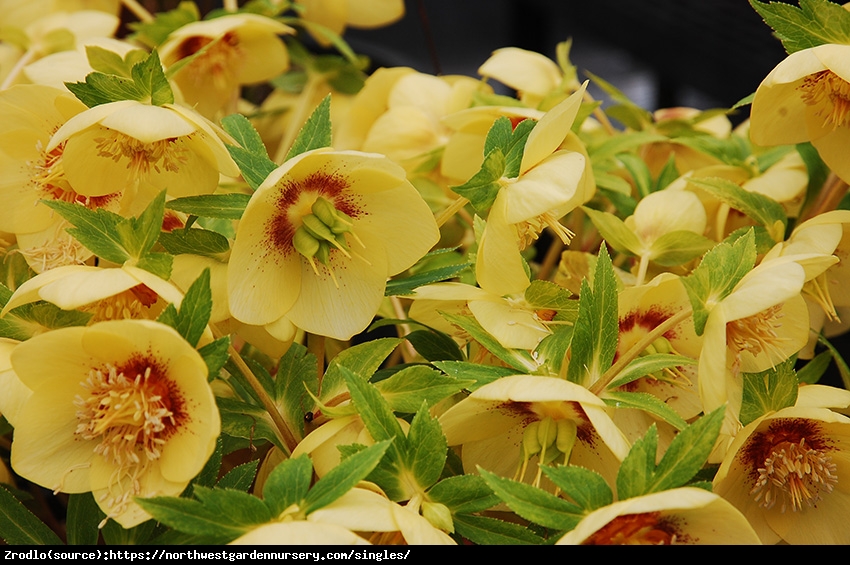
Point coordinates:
[(825, 87), (218, 62), (166, 154), (49, 178), (57, 251), (322, 230), (757, 333), (131, 411), (647, 528), (794, 472), (132, 304), (530, 229)]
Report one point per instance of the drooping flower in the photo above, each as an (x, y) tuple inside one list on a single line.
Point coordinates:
[(130, 413), (807, 98), (240, 49), (319, 238), (531, 74), (336, 15), (506, 425), (682, 516), (142, 148), (788, 473)]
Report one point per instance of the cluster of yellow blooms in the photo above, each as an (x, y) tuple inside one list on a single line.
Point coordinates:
[(468, 220)]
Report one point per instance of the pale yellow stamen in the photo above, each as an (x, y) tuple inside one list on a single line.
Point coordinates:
[(826, 85), (796, 474), (529, 230), (165, 154), (59, 252), (757, 333)]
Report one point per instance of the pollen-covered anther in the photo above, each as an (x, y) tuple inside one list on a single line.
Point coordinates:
[(826, 85), (530, 229), (757, 333), (164, 154), (794, 473)]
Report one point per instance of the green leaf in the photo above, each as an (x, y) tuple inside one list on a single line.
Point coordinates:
[(815, 22), (316, 131), (247, 421), (108, 62), (150, 79), (240, 477), (516, 358), (677, 247), (481, 374), (406, 389), (226, 206), (535, 504), (646, 365), (159, 264), (638, 467), (481, 190), (296, 379), (548, 295), (195, 310), (155, 32), (344, 476), (763, 209), (400, 287), (100, 88), (219, 513), (251, 155), (363, 360), (595, 333), (812, 371), (463, 494), (586, 488), (82, 519), (19, 526), (483, 530), (288, 484), (195, 242), (434, 345), (717, 274), (516, 147), (499, 135), (621, 143), (648, 403), (639, 172), (843, 368), (615, 232), (426, 455), (770, 390), (687, 453)]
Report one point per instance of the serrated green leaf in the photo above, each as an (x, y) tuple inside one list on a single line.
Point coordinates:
[(241, 129), (646, 365), (82, 519), (717, 274), (614, 231), (646, 402), (534, 504), (770, 390), (677, 247), (483, 530), (296, 379), (406, 389), (687, 453), (514, 151), (481, 190), (363, 359), (481, 374), (763, 209), (316, 131), (138, 235), (344, 476), (240, 477), (194, 242), (594, 340), (149, 78), (426, 455), (548, 295), (434, 345), (97, 230), (499, 135), (586, 488), (247, 421), (159, 264), (219, 513), (195, 309), (19, 526), (637, 468), (226, 206), (400, 287), (100, 88), (516, 358), (463, 494), (50, 316), (107, 62), (288, 484), (814, 23)]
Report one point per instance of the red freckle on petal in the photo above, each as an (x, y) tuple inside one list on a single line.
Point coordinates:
[(144, 295), (192, 45), (171, 221)]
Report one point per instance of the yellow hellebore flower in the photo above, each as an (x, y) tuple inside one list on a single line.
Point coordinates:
[(130, 414), (336, 15), (139, 147), (682, 516), (807, 98), (320, 237), (531, 74), (21, 13), (548, 187), (72, 66), (788, 473), (504, 424), (240, 49)]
